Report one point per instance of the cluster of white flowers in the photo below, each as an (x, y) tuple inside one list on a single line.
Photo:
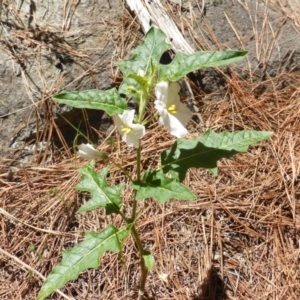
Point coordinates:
[(173, 114)]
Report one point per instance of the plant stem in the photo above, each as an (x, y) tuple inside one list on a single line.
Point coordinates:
[(150, 119), (138, 178), (144, 270), (136, 236)]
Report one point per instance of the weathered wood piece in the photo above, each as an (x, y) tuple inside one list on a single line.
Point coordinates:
[(152, 13)]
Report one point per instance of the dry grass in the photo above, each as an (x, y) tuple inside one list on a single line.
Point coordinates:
[(238, 240)]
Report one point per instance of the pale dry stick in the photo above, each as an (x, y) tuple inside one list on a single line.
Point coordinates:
[(27, 267), (270, 45), (295, 13), (28, 89), (137, 7), (236, 219), (270, 214), (289, 9), (220, 243), (11, 52), (68, 12), (253, 22), (199, 38), (242, 44), (120, 47), (254, 197), (69, 184), (83, 74), (192, 14), (153, 11), (18, 110), (283, 174), (179, 12), (275, 43), (11, 217), (15, 11), (292, 145), (203, 6), (26, 84), (262, 31), (206, 250)]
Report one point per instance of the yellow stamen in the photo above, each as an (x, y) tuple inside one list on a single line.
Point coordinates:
[(172, 109), (126, 130)]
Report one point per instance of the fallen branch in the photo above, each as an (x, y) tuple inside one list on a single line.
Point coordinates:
[(152, 13)]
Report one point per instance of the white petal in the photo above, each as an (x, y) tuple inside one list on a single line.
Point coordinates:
[(174, 90), (87, 151), (159, 106), (167, 95), (184, 114), (132, 138), (127, 117), (119, 123), (126, 121), (174, 126), (161, 91)]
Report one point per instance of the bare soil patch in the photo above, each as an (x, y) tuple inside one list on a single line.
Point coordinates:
[(239, 239)]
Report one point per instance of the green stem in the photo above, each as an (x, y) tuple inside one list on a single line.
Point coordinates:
[(144, 270), (138, 178), (136, 236), (150, 119)]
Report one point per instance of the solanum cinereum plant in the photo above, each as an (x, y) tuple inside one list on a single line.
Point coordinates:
[(144, 77)]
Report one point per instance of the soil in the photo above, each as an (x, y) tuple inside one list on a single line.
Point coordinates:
[(50, 46)]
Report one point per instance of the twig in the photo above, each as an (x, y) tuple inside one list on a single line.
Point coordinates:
[(32, 270)]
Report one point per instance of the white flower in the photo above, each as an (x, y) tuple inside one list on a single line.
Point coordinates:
[(88, 151), (131, 133), (173, 114)]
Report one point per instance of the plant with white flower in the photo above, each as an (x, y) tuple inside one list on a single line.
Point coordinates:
[(143, 76)]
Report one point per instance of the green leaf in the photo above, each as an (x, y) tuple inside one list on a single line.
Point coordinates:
[(146, 58), (148, 259), (85, 255), (206, 150), (110, 101), (155, 184), (150, 50), (183, 63), (102, 195)]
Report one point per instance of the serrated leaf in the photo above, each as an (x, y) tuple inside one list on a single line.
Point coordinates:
[(102, 195), (145, 58), (148, 259), (206, 150), (183, 63), (156, 185), (110, 100), (83, 256)]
